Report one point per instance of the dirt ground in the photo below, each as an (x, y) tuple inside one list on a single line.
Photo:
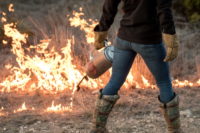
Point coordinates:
[(136, 111)]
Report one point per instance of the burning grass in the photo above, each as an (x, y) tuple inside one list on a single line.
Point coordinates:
[(39, 75), (55, 64)]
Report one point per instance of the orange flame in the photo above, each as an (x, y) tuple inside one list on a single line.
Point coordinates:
[(185, 83), (59, 108), (23, 108), (87, 26), (53, 71), (198, 82), (11, 8), (3, 18), (146, 83), (1, 111)]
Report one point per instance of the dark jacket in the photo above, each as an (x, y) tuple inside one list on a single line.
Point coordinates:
[(143, 20)]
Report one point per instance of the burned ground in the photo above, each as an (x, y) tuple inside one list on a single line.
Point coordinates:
[(136, 112)]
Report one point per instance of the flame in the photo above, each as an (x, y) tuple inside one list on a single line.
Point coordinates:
[(185, 83), (58, 108), (1, 111), (198, 82), (40, 67), (87, 26), (52, 72), (23, 108), (3, 18), (130, 81), (49, 74), (47, 70), (5, 42), (11, 8), (146, 83)]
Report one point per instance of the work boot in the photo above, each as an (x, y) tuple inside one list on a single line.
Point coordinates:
[(104, 106), (171, 114)]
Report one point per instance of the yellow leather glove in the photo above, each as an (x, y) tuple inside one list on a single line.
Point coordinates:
[(171, 43), (99, 38)]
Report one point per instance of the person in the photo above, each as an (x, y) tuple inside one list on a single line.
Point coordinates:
[(145, 27)]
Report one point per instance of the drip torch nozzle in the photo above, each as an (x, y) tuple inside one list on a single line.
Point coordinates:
[(78, 85)]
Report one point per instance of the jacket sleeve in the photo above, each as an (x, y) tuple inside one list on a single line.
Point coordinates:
[(165, 16), (110, 8)]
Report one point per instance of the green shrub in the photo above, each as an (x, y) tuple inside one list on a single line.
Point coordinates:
[(189, 8), (192, 4)]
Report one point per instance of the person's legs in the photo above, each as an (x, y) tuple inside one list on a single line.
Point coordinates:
[(153, 56), (122, 62)]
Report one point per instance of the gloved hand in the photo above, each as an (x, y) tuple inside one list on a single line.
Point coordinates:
[(99, 38), (171, 43)]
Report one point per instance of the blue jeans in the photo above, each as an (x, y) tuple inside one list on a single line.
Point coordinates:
[(153, 55)]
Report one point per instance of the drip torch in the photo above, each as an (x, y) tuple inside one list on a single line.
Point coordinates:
[(99, 63)]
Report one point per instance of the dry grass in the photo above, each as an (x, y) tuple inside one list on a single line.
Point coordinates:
[(186, 65), (47, 19)]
